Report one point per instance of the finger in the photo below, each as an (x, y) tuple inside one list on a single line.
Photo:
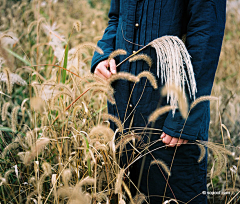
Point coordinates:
[(180, 141), (113, 68), (167, 139), (173, 142), (103, 70), (103, 63), (185, 141), (99, 74), (163, 135)]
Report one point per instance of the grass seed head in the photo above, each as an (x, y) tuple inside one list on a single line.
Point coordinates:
[(124, 76), (116, 53), (160, 111), (150, 77), (162, 164), (144, 57)]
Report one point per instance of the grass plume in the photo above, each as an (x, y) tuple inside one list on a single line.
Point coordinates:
[(144, 57), (160, 111), (150, 77), (162, 164)]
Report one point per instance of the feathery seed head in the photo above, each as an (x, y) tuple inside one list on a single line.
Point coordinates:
[(150, 77), (162, 164), (160, 111), (144, 57), (116, 53)]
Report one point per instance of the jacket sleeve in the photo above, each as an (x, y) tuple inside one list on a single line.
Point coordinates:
[(107, 43), (205, 30)]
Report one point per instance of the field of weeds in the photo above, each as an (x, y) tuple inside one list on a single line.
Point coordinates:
[(55, 142)]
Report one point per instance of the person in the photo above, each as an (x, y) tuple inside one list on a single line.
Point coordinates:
[(132, 25)]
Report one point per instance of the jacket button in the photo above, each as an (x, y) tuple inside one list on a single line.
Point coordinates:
[(134, 52), (130, 105), (136, 25)]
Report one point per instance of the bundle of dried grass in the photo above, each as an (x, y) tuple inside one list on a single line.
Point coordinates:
[(175, 64)]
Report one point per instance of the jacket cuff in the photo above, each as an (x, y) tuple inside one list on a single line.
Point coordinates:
[(182, 135), (97, 58)]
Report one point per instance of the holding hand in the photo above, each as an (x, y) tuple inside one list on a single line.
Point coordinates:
[(172, 141), (103, 71)]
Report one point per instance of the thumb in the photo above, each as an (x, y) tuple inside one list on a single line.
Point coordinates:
[(113, 68)]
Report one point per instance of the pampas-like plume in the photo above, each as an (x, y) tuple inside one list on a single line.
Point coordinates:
[(172, 58), (144, 57), (123, 75), (114, 119), (179, 96), (160, 111), (201, 99), (116, 53), (150, 77), (4, 110), (14, 118), (39, 146), (162, 164)]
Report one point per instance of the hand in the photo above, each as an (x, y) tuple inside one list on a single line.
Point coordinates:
[(172, 141), (102, 69)]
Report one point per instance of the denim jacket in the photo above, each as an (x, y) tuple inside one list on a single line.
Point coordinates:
[(135, 23)]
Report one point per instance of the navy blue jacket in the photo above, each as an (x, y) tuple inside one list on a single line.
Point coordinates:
[(134, 23)]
